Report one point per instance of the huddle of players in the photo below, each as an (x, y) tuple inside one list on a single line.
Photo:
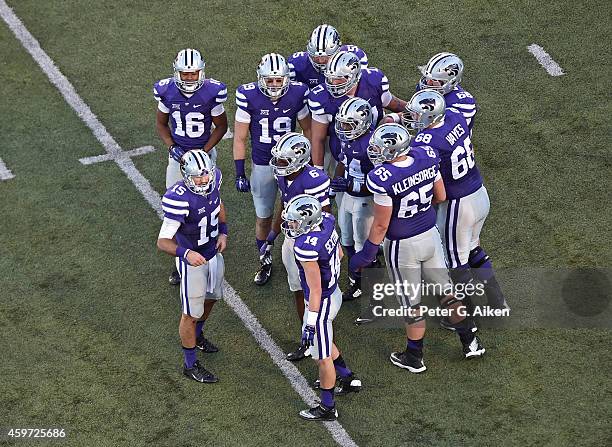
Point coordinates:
[(386, 180)]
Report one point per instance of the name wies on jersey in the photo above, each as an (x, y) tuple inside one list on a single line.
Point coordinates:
[(410, 187), (190, 116), (453, 144), (197, 214), (268, 121), (320, 245)]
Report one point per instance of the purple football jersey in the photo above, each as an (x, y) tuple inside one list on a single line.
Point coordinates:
[(302, 70), (354, 156), (311, 180), (410, 187), (268, 120), (463, 102), (453, 144), (190, 117), (198, 215), (372, 86), (320, 245)]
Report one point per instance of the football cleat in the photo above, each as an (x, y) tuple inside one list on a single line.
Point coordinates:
[(367, 315), (353, 292), (199, 373), (205, 345), (347, 385), (473, 349), (263, 274), (408, 360), (174, 278), (299, 354), (320, 413), (444, 323)]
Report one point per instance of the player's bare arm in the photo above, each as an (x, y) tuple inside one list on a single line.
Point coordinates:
[(220, 122), (169, 246), (313, 278), (396, 104), (241, 133), (306, 126), (161, 124), (382, 217), (439, 192), (318, 135)]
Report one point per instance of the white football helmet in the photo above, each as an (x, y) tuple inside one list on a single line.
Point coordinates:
[(197, 163), (189, 60), (290, 154), (388, 142), (324, 42), (353, 119), (301, 215), (443, 72), (273, 66), (426, 107), (342, 73)]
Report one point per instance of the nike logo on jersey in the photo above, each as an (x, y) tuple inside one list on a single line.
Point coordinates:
[(285, 111), (199, 105)]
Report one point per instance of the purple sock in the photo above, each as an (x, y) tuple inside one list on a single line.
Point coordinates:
[(260, 243), (341, 369), (415, 345), (199, 328), (327, 397), (190, 356), (350, 250)]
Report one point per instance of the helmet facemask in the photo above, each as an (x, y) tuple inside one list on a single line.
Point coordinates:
[(273, 70), (354, 118), (189, 61)]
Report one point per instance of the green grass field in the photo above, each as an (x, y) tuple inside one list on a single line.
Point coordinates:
[(88, 323)]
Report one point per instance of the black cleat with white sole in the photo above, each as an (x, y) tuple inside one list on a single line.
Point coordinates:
[(353, 292), (367, 316), (300, 353), (205, 345), (174, 278), (320, 413), (408, 360), (263, 274), (351, 384), (199, 373), (473, 349)]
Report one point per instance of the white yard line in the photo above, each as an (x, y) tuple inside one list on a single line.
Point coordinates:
[(106, 157), (297, 380), (545, 60), (5, 173)]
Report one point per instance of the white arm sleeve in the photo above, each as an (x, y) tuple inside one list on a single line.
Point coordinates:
[(303, 113), (386, 98), (168, 229), (162, 108), (242, 116), (383, 200), (217, 110)]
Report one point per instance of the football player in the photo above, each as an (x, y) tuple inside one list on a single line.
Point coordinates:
[(318, 254), (188, 104), (443, 73), (266, 110), (462, 216), (354, 128), (406, 182), (308, 67), (294, 176), (346, 78), (194, 231)]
